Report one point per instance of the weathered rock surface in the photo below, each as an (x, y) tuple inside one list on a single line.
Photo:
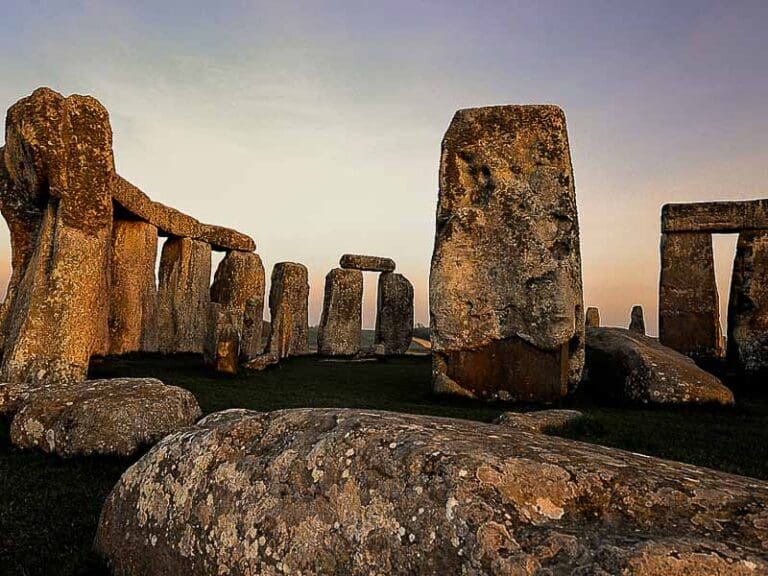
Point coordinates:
[(628, 367), (239, 285), (341, 321), (394, 313), (507, 315), (593, 318), (715, 217), (637, 320), (116, 416), (183, 295), (748, 306), (261, 362), (369, 263), (689, 313), (57, 167), (539, 421), (222, 346), (332, 491), (171, 222), (289, 310), (133, 291)]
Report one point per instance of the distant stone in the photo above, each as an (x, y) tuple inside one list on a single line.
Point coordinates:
[(183, 295), (715, 217), (133, 291), (637, 320), (539, 421), (222, 345), (369, 263), (748, 306), (117, 416), (505, 284), (626, 366), (289, 310), (261, 362), (335, 491), (394, 313), (340, 328), (593, 318), (252, 342)]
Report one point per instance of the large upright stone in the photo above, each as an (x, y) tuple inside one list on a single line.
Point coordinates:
[(289, 309), (748, 306), (239, 285), (341, 322), (133, 297), (637, 320), (689, 316), (183, 295), (394, 313), (222, 345), (507, 316), (57, 168)]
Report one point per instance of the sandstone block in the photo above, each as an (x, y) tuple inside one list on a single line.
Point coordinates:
[(715, 217), (542, 421), (251, 344), (394, 313), (369, 263), (341, 321), (222, 346), (593, 318), (289, 310), (637, 320)]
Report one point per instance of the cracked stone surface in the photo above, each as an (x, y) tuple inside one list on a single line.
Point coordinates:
[(334, 491)]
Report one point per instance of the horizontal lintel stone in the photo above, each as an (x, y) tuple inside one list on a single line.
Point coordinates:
[(715, 217)]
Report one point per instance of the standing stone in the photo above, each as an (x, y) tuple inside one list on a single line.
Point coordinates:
[(368, 263), (239, 285), (394, 313), (507, 316), (748, 306), (593, 318), (289, 309), (58, 164), (637, 320), (222, 345), (183, 295), (341, 322), (689, 315), (133, 298)]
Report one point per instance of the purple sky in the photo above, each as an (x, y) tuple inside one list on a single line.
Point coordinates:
[(315, 127)]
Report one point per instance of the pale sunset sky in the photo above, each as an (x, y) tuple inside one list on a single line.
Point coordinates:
[(315, 127)]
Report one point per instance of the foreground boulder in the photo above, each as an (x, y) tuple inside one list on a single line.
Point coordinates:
[(116, 416), (333, 491), (629, 367)]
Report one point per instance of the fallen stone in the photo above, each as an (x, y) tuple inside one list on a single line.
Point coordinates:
[(183, 295), (505, 284), (394, 314), (637, 320), (369, 263), (289, 310), (593, 318), (261, 362), (334, 491), (626, 366), (133, 290), (543, 421), (117, 416), (222, 346), (715, 217), (341, 321)]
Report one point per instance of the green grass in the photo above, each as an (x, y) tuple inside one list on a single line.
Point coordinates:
[(49, 507)]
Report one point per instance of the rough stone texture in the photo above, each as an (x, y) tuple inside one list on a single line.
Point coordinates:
[(592, 318), (689, 313), (394, 313), (57, 167), (637, 320), (341, 322), (239, 285), (369, 263), (289, 310), (628, 367), (332, 491), (171, 222), (183, 295), (748, 306), (261, 362), (542, 421), (715, 217), (116, 416), (507, 316), (222, 345), (133, 294)]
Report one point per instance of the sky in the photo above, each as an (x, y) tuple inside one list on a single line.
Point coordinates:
[(315, 127)]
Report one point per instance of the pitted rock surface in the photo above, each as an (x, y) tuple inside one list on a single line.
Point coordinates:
[(505, 281), (341, 322), (394, 313), (289, 310), (116, 416), (629, 367), (367, 263), (637, 320), (333, 491), (538, 421)]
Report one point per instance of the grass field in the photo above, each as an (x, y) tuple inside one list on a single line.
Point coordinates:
[(49, 507)]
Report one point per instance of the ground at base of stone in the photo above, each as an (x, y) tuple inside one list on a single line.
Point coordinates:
[(49, 507)]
